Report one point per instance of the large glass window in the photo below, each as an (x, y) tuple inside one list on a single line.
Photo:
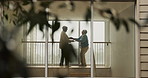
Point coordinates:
[(36, 48)]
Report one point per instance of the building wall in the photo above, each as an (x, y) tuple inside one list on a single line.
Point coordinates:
[(122, 47), (142, 15)]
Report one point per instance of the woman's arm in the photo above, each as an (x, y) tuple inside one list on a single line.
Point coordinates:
[(77, 39)]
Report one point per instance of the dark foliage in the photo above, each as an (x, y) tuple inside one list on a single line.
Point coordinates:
[(10, 65)]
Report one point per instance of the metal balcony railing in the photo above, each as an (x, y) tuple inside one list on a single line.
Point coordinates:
[(34, 52)]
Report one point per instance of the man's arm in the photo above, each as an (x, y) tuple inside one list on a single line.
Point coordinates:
[(67, 39)]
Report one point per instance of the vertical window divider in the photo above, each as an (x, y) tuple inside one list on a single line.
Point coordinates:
[(91, 41), (46, 52), (78, 45)]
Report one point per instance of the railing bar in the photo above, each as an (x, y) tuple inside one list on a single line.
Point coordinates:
[(104, 53), (35, 53), (43, 54), (97, 55), (27, 58), (53, 42), (35, 57), (48, 53), (54, 50), (56, 54), (99, 48), (30, 54), (95, 50), (39, 54), (52, 54), (57, 51), (101, 54), (25, 50)]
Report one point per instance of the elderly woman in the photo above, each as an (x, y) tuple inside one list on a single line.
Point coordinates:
[(83, 39)]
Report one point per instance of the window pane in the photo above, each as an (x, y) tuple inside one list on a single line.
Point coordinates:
[(98, 36), (54, 57), (99, 31), (36, 34)]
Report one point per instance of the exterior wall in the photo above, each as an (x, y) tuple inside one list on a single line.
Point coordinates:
[(122, 49), (142, 13)]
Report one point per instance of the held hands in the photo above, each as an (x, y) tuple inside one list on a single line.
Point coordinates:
[(71, 39)]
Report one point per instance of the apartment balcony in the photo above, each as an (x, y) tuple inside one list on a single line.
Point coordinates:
[(34, 52)]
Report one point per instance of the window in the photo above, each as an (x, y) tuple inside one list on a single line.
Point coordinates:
[(36, 51)]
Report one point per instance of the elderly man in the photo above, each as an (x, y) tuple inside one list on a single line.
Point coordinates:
[(64, 41)]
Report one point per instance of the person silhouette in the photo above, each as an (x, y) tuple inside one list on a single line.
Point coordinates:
[(64, 42), (83, 39)]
